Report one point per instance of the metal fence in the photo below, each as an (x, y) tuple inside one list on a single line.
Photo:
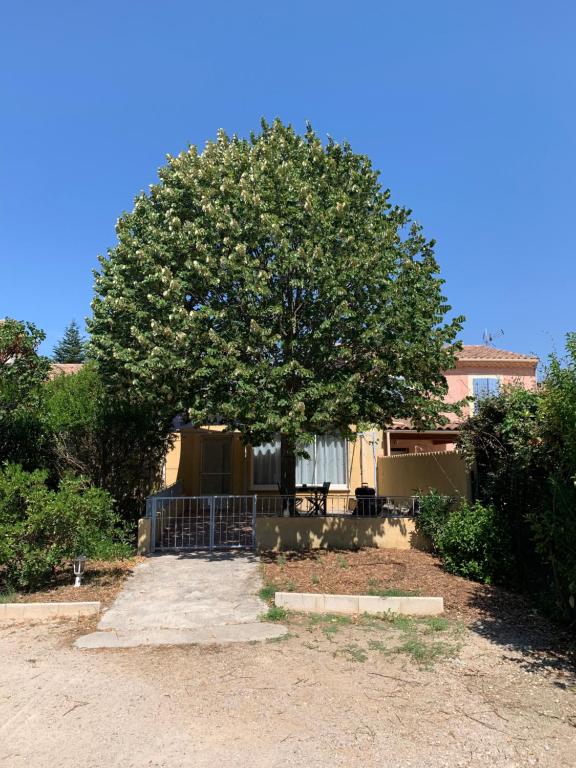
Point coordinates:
[(202, 522), (337, 506), (229, 522)]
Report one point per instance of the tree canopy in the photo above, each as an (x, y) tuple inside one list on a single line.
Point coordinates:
[(22, 372), (271, 284), (72, 347)]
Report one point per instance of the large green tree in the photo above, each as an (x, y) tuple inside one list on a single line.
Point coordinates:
[(271, 283), (117, 444)]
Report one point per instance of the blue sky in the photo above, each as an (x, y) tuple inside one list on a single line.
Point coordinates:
[(467, 109)]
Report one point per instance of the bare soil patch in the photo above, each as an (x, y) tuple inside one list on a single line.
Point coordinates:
[(102, 582), (371, 571), (507, 618), (332, 693)]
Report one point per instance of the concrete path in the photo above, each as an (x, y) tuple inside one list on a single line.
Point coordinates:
[(186, 598)]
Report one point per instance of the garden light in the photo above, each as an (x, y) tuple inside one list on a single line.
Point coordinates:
[(79, 568)]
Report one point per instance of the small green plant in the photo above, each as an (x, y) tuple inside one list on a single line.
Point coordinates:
[(267, 592), (289, 586), (281, 559), (353, 652), (314, 619), (315, 579), (8, 595), (329, 623), (343, 563), (275, 613), (400, 622), (378, 645), (436, 624), (425, 654)]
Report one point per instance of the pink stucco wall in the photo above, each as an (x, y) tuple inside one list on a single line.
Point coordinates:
[(459, 380), (460, 385)]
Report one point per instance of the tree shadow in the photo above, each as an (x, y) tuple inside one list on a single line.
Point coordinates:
[(526, 637)]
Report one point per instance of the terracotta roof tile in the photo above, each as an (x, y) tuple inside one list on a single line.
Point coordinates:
[(480, 352), (62, 369), (407, 424)]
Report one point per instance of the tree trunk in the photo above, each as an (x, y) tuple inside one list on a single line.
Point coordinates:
[(287, 465)]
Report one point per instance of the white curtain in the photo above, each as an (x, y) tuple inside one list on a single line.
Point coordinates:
[(266, 463), (330, 460), (327, 463), (305, 467)]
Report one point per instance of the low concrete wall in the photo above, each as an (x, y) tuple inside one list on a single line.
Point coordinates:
[(409, 474), (351, 604), (144, 535), (278, 533), (37, 611)]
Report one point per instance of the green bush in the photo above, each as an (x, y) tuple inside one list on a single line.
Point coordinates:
[(432, 514), (117, 445), (41, 528), (473, 542)]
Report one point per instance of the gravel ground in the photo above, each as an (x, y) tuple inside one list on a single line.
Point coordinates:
[(330, 694)]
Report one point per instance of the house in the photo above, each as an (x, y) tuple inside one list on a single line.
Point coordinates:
[(480, 370), (211, 461)]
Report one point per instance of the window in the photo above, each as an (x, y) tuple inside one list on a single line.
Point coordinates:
[(327, 462), (216, 465), (266, 464), (484, 386)]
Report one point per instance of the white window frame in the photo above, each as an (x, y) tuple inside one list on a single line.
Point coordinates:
[(333, 486), (472, 378)]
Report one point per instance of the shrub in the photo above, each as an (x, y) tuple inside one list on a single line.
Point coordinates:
[(432, 513), (41, 528), (473, 542)]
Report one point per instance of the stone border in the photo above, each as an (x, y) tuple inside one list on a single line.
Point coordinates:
[(34, 611), (350, 604)]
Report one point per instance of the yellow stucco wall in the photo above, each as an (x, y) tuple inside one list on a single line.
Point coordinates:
[(408, 474), (184, 461), (282, 533), (144, 535)]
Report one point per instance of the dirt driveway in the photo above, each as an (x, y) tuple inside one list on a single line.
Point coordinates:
[(327, 694)]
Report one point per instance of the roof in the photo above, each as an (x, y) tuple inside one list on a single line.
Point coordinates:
[(483, 353), (62, 369), (406, 424)]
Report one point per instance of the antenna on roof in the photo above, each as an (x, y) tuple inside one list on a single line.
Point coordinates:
[(489, 336)]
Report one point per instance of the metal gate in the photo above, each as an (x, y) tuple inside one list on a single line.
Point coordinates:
[(203, 522)]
